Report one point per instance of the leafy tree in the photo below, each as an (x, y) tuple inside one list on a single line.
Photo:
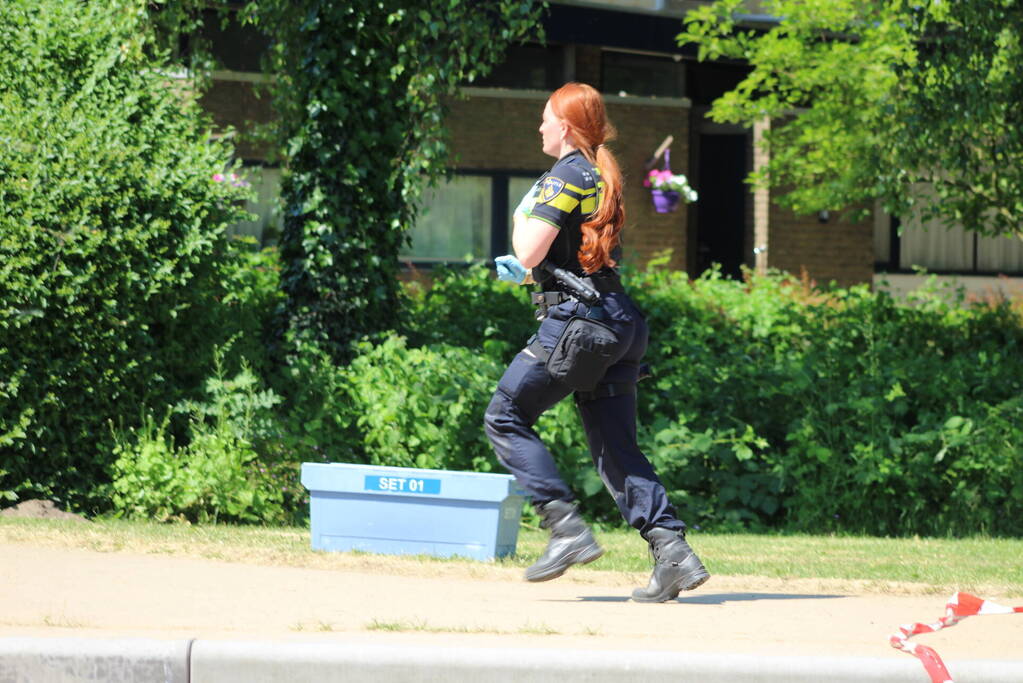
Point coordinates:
[(879, 98), (113, 202), (360, 86)]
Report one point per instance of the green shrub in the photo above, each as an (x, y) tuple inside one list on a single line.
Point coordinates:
[(469, 307), (866, 415), (212, 479), (422, 407), (718, 348), (893, 406), (111, 242), (317, 422), (772, 405), (775, 405), (217, 475), (713, 476), (230, 309)]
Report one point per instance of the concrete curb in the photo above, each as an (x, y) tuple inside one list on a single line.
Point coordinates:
[(42, 660), (74, 660)]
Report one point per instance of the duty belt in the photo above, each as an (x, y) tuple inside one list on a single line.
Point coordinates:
[(605, 284), (608, 284)]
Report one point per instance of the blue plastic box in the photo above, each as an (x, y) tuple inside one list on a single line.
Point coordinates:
[(406, 511)]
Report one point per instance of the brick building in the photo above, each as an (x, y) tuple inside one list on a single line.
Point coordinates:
[(653, 88)]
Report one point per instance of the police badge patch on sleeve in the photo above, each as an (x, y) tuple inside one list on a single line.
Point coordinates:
[(551, 188)]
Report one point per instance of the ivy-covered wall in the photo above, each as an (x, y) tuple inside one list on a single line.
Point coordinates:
[(359, 86)]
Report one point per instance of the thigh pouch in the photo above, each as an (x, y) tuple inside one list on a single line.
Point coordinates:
[(582, 354)]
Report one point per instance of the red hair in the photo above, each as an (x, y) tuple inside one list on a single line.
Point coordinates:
[(582, 109)]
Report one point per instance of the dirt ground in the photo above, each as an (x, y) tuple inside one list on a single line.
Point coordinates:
[(40, 509), (62, 592)]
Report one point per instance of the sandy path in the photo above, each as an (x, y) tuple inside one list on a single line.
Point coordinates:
[(47, 591)]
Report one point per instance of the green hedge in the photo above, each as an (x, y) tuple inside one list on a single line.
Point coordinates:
[(776, 406), (855, 412), (111, 249), (468, 307), (421, 407), (772, 406)]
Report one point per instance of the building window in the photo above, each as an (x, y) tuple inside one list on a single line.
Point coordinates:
[(626, 73), (999, 254), (468, 217), (903, 246), (235, 46), (527, 67), (266, 185), (454, 223), (517, 188)]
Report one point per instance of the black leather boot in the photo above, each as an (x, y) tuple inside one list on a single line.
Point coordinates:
[(676, 567), (571, 541)]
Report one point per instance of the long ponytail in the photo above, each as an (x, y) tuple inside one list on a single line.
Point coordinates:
[(582, 109)]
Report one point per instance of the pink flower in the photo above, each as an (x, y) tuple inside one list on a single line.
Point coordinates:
[(218, 177)]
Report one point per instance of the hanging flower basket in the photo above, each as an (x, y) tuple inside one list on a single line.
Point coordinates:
[(665, 201), (668, 189)]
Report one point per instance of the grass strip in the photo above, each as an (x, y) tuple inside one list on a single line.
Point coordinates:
[(421, 625), (988, 566)]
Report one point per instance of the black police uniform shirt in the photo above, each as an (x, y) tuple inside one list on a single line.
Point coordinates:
[(565, 198)]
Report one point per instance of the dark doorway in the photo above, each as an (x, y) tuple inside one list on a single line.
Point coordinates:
[(721, 208)]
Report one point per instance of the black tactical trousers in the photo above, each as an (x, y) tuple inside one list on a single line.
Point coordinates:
[(526, 391)]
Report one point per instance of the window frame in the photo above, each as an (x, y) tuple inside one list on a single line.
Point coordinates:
[(500, 205), (269, 233), (893, 264), (553, 56), (675, 59)]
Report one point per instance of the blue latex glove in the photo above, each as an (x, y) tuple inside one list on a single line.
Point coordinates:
[(509, 269)]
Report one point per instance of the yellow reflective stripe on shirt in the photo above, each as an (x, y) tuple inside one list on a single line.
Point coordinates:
[(579, 190), (567, 203), (564, 202), (591, 200)]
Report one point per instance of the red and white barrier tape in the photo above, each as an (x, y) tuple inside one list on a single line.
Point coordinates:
[(959, 606)]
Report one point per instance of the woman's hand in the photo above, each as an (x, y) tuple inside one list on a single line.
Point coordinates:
[(510, 270)]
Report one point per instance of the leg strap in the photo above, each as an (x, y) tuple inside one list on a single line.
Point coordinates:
[(606, 391)]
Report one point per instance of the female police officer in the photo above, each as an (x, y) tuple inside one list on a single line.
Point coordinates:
[(571, 220)]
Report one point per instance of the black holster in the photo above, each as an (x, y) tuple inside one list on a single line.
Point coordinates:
[(587, 347)]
